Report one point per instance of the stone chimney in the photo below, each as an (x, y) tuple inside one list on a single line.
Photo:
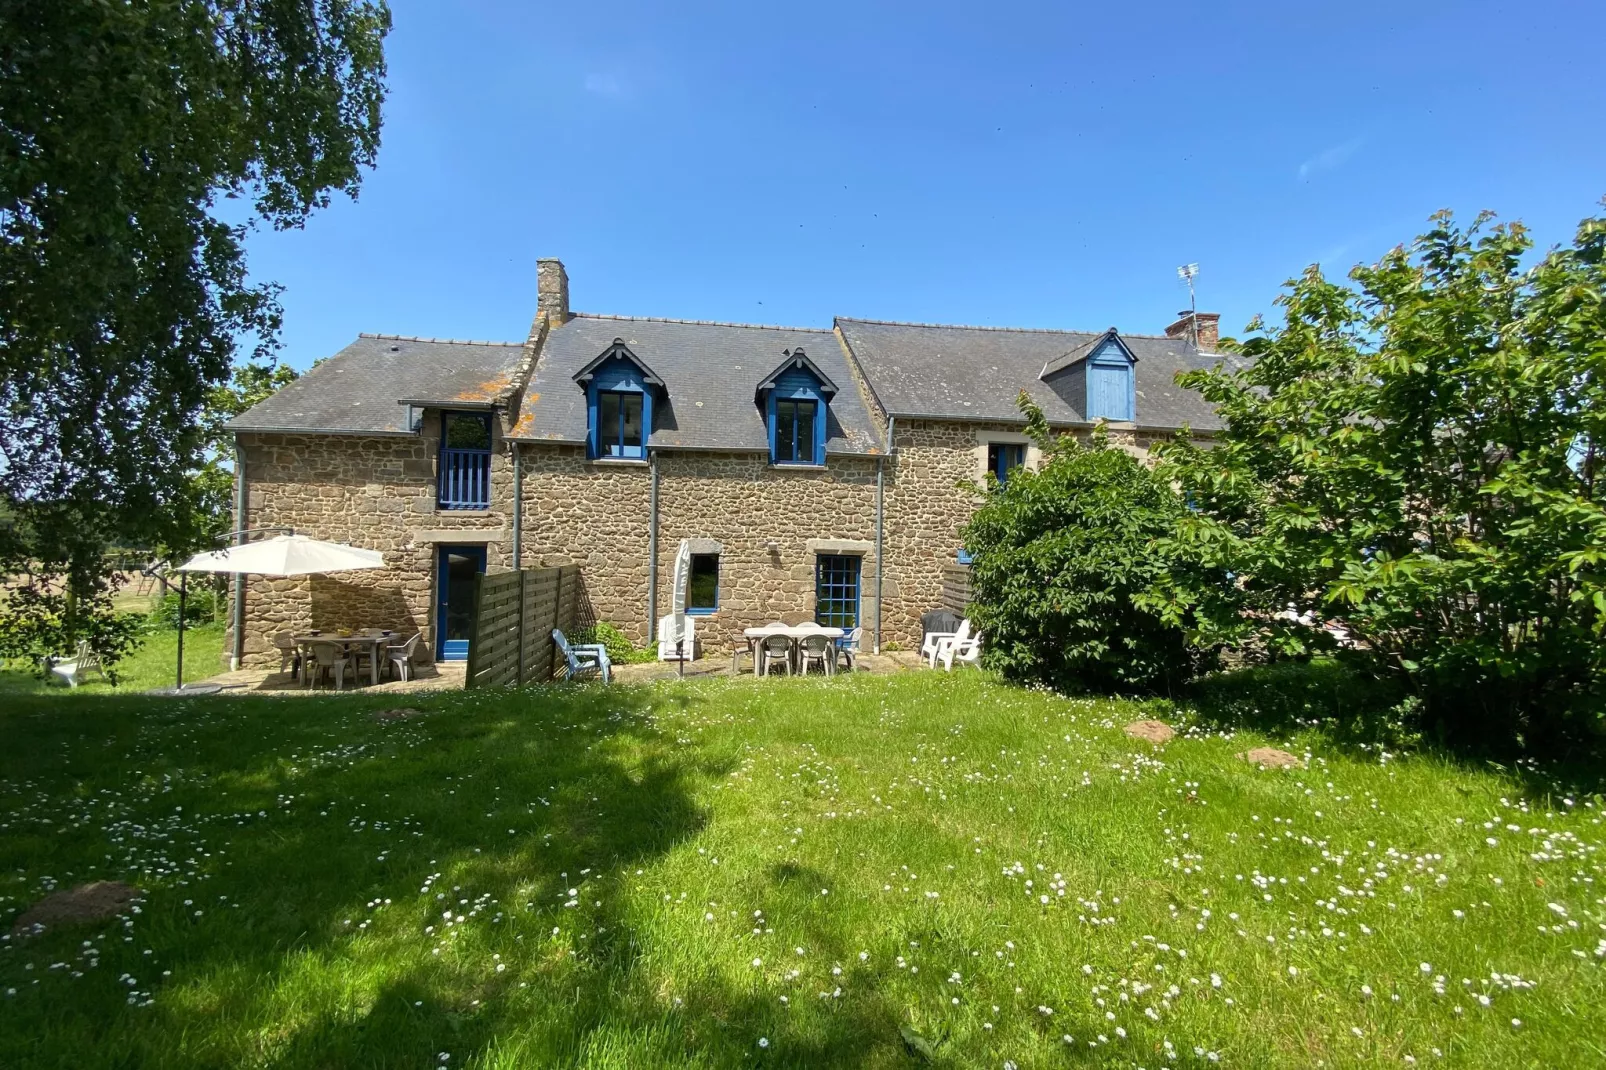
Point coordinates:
[(552, 288), (1209, 328)]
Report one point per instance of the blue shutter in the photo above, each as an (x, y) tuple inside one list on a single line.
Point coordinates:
[(1110, 394)]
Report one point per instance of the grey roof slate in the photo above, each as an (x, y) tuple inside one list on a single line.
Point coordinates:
[(976, 373), (710, 372), (360, 389)]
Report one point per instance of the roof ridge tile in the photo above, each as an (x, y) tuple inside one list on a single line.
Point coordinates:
[(700, 323), (438, 341), (1006, 330)]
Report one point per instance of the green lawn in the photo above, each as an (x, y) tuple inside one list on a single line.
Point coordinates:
[(732, 873), (152, 664)]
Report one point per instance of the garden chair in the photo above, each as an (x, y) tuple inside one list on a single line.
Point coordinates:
[(847, 648), (583, 659), (966, 651), (816, 648), (83, 662), (401, 656), (289, 654), (327, 658), (935, 641), (773, 649)]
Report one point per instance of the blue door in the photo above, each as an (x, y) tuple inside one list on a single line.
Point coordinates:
[(836, 591), (1109, 390), (456, 569)]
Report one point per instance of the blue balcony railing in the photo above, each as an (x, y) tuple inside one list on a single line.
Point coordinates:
[(465, 481)]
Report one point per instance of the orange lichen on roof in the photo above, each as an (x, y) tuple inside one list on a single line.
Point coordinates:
[(525, 424), (489, 390)]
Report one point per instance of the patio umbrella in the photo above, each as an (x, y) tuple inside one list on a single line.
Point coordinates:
[(285, 555), (282, 555)]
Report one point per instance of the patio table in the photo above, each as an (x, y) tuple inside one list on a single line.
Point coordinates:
[(373, 640), (794, 632)]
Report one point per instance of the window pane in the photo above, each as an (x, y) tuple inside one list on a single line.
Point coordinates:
[(785, 431), (702, 592), (631, 434), (465, 432), (608, 424), (836, 591), (805, 433)]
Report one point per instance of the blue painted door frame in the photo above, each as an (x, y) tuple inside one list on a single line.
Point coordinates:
[(455, 569)]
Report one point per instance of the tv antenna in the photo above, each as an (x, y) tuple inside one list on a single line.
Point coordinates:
[(1187, 273)]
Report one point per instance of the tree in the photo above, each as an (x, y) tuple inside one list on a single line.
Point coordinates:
[(1418, 456), (139, 144), (1063, 564)]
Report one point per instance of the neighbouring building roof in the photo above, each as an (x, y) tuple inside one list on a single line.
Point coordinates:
[(710, 371), (976, 373), (361, 389)]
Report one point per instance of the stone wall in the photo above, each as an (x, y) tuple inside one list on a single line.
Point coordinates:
[(373, 492), (769, 522)]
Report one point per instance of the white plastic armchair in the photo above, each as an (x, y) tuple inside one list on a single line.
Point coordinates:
[(82, 663), (583, 659), (966, 651), (935, 642)]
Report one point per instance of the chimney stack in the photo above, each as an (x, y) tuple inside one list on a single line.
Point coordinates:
[(1209, 328), (552, 289)]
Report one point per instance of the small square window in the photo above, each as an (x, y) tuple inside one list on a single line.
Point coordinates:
[(702, 586)]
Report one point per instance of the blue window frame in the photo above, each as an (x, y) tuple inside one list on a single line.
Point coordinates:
[(792, 431), (702, 585), (1003, 458), (619, 397), (1111, 394), (836, 591), (619, 425), (465, 461)]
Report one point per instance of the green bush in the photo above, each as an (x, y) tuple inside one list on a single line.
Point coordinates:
[(1063, 563), (620, 650), (200, 607)]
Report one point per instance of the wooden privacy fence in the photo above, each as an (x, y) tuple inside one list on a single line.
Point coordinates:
[(514, 614), (956, 588)]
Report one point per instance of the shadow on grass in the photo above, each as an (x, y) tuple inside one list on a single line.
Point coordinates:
[(1362, 713), (308, 812)]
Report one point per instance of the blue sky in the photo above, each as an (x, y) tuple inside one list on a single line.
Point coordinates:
[(1042, 165)]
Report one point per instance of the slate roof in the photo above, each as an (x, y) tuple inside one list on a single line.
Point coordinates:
[(360, 389), (976, 373), (710, 372)]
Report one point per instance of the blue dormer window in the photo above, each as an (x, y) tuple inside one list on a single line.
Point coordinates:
[(794, 432), (620, 389), (796, 399), (1111, 394)]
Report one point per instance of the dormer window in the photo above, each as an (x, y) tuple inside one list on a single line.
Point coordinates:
[(1110, 391), (796, 398), (620, 389), (465, 462)]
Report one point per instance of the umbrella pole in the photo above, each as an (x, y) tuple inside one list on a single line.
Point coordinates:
[(183, 589)]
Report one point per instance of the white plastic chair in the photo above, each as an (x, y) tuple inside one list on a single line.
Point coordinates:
[(327, 657), (83, 661), (932, 649), (847, 648), (774, 648), (583, 659), (966, 651), (401, 656), (816, 648)]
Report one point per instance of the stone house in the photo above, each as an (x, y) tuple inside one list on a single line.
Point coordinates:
[(812, 473)]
